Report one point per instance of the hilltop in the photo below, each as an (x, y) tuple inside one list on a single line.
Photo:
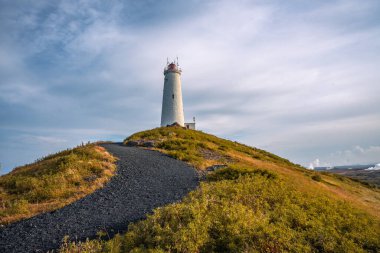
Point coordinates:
[(250, 201), (203, 150)]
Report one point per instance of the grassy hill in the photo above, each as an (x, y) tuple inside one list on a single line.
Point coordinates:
[(257, 202), (53, 182)]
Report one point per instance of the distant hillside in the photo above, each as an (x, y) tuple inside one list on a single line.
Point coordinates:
[(53, 182), (250, 201), (367, 174)]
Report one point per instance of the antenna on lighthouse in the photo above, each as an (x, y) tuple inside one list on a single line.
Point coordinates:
[(167, 60), (177, 61)]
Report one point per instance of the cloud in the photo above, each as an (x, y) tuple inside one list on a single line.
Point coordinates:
[(18, 93), (43, 139), (376, 167), (298, 79), (314, 164), (356, 155)]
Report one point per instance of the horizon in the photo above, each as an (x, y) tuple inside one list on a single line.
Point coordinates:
[(299, 80)]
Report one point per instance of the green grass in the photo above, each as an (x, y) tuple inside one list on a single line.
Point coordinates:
[(53, 181), (187, 145), (252, 213), (259, 202), (235, 172)]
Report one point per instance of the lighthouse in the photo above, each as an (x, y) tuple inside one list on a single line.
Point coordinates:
[(172, 106)]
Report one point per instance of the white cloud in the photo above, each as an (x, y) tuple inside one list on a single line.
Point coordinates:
[(356, 155), (19, 93), (298, 80), (44, 139), (352, 156), (376, 167), (314, 164)]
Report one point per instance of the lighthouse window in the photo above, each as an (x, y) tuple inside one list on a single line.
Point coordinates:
[(173, 96)]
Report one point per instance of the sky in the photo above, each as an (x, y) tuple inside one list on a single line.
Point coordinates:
[(297, 78)]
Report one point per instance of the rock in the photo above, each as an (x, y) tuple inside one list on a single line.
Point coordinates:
[(141, 143), (90, 178), (175, 124), (132, 143), (148, 144), (216, 167)]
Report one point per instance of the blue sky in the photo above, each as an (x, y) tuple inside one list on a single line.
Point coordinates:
[(297, 78)]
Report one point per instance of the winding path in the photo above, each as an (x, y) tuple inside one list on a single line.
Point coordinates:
[(144, 180)]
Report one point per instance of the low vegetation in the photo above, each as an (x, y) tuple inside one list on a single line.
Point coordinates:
[(253, 213), (200, 149), (53, 182), (256, 202)]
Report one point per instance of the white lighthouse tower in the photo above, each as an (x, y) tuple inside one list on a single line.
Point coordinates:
[(172, 106)]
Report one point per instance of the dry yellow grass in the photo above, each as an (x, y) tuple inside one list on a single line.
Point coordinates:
[(258, 202), (340, 188), (54, 182), (359, 195)]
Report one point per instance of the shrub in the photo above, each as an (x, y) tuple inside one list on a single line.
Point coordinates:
[(20, 206), (258, 203), (317, 178), (251, 214), (87, 246), (233, 172)]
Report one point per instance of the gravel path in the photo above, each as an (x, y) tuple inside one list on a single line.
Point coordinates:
[(144, 180)]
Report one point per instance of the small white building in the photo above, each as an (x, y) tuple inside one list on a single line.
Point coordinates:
[(190, 125), (172, 105)]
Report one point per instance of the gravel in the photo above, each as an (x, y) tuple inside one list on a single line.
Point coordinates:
[(144, 180)]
